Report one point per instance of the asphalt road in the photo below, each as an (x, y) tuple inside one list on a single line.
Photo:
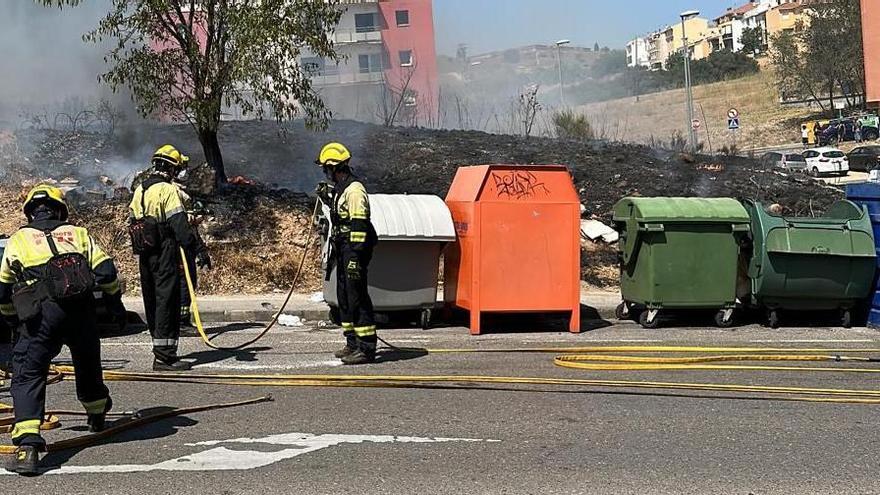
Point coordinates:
[(537, 440)]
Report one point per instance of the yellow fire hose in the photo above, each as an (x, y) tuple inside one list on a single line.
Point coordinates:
[(195, 306), (589, 358)]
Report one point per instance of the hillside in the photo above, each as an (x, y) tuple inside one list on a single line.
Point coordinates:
[(654, 117), (257, 231)]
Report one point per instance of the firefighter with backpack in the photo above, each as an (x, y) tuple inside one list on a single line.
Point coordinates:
[(159, 227), (48, 274)]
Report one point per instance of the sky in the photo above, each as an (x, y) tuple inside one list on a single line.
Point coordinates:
[(489, 25)]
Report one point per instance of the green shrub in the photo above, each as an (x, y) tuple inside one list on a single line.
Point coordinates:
[(570, 125)]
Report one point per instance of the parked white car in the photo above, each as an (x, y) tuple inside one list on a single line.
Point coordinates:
[(793, 162), (826, 161)]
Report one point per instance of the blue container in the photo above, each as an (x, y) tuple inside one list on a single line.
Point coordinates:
[(869, 196)]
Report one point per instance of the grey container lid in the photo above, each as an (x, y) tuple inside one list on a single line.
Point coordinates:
[(415, 217)]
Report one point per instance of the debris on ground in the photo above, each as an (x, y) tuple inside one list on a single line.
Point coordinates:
[(260, 222)]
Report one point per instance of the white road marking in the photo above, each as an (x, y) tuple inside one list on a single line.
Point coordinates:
[(221, 458), (811, 341), (257, 366), (126, 344)]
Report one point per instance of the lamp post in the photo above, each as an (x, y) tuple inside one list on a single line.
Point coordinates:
[(559, 45), (689, 96)]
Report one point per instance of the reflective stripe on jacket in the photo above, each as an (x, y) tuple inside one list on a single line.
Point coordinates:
[(352, 212), (29, 250)]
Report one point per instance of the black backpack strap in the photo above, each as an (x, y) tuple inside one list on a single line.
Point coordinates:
[(147, 184), (51, 241)]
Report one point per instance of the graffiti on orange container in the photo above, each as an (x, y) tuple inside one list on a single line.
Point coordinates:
[(518, 184)]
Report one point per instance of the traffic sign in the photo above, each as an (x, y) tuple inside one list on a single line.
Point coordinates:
[(696, 123), (733, 124), (733, 113)]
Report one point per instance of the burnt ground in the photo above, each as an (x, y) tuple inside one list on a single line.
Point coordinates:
[(258, 231)]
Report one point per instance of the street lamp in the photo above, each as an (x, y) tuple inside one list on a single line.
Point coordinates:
[(692, 133), (559, 64)]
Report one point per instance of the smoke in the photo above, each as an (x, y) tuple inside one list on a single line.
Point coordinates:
[(47, 66)]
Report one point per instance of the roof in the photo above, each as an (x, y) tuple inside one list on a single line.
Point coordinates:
[(737, 11), (681, 210), (792, 6), (417, 217)]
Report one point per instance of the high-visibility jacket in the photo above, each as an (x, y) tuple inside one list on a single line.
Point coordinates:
[(28, 250), (351, 215), (160, 199)]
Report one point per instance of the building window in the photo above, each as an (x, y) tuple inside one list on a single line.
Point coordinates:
[(406, 58), (366, 23), (313, 66), (370, 63), (402, 18)]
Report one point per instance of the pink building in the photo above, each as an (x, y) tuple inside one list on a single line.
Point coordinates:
[(390, 63), (871, 39)]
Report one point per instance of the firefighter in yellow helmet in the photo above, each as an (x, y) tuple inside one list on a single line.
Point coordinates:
[(48, 274), (353, 239), (159, 227)]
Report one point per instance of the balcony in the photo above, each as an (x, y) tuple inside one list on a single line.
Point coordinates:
[(338, 79), (347, 36)]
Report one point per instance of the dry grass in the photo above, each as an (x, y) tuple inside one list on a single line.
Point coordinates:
[(763, 120), (259, 251)]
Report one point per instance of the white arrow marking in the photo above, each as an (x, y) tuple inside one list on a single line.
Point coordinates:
[(225, 459)]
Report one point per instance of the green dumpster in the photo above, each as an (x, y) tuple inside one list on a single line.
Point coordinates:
[(823, 263), (679, 253)]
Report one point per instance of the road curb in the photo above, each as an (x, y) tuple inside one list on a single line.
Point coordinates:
[(237, 316)]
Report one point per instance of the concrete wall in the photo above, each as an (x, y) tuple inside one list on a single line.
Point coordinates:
[(871, 38)]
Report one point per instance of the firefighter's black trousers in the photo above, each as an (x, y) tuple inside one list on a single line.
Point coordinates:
[(70, 323), (160, 285), (355, 306)]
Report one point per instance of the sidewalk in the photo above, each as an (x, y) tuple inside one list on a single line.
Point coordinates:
[(228, 309)]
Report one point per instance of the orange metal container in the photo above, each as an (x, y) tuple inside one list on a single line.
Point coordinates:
[(518, 248)]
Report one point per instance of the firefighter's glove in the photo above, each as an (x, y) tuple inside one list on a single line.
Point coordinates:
[(203, 260), (353, 270), (323, 191)]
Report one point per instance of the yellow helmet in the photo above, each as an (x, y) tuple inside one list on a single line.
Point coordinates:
[(333, 154), (45, 193), (170, 156)]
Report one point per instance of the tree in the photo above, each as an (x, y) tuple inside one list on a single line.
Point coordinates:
[(752, 40), (596, 47), (823, 56), (187, 58)]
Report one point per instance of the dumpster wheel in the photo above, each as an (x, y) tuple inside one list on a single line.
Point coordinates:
[(724, 318), (622, 311), (649, 318), (846, 318), (773, 318), (425, 319)]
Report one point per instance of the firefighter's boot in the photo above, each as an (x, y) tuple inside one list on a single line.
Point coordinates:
[(96, 421), (359, 357), (24, 461), (173, 366), (351, 345)]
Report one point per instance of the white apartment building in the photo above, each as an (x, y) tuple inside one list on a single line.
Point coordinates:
[(637, 53)]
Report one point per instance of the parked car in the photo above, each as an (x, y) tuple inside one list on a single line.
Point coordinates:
[(793, 162), (826, 161), (864, 158), (831, 135)]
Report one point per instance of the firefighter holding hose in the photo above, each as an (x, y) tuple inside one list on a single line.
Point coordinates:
[(352, 241), (159, 227), (47, 277)]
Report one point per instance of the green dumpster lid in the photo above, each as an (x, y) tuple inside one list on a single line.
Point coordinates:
[(727, 210)]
